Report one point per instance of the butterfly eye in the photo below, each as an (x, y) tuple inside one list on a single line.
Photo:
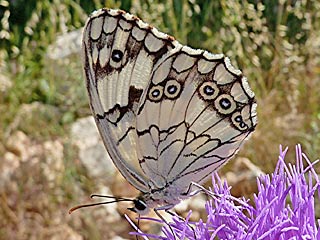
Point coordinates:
[(155, 93), (117, 55), (208, 90), (225, 104), (172, 89), (140, 205)]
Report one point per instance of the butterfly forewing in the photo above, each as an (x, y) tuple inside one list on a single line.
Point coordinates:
[(119, 53)]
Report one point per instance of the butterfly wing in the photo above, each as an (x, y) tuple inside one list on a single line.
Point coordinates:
[(119, 54), (193, 117)]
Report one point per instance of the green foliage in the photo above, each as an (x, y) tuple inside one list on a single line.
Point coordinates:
[(30, 29)]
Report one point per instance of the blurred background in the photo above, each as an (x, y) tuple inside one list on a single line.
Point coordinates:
[(51, 157)]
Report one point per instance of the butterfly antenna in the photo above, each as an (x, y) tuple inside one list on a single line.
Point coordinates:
[(116, 199), (120, 199)]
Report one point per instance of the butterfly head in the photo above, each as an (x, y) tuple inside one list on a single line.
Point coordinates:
[(140, 206)]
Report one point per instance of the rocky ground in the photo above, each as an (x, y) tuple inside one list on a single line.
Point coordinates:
[(41, 181)]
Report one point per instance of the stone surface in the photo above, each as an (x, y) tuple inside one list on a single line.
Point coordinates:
[(53, 165), (21, 150), (18, 144), (65, 45), (92, 152)]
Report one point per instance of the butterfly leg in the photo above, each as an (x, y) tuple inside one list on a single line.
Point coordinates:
[(200, 189), (190, 192), (165, 208)]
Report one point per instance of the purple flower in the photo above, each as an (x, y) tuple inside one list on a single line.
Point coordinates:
[(283, 208)]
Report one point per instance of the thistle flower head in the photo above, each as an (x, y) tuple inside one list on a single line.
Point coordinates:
[(282, 209)]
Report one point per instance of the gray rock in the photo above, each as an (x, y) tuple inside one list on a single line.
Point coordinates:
[(92, 152), (65, 45), (22, 152)]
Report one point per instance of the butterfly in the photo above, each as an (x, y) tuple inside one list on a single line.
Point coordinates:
[(169, 115)]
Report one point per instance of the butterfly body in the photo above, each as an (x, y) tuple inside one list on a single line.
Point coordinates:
[(169, 115)]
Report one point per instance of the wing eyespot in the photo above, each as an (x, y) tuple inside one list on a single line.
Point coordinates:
[(155, 93), (172, 89), (208, 90), (237, 120), (116, 55), (225, 104)]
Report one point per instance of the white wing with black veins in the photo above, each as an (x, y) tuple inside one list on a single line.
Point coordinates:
[(119, 54), (193, 117), (168, 114)]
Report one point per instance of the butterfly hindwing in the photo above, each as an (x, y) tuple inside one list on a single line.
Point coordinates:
[(193, 117), (119, 54)]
